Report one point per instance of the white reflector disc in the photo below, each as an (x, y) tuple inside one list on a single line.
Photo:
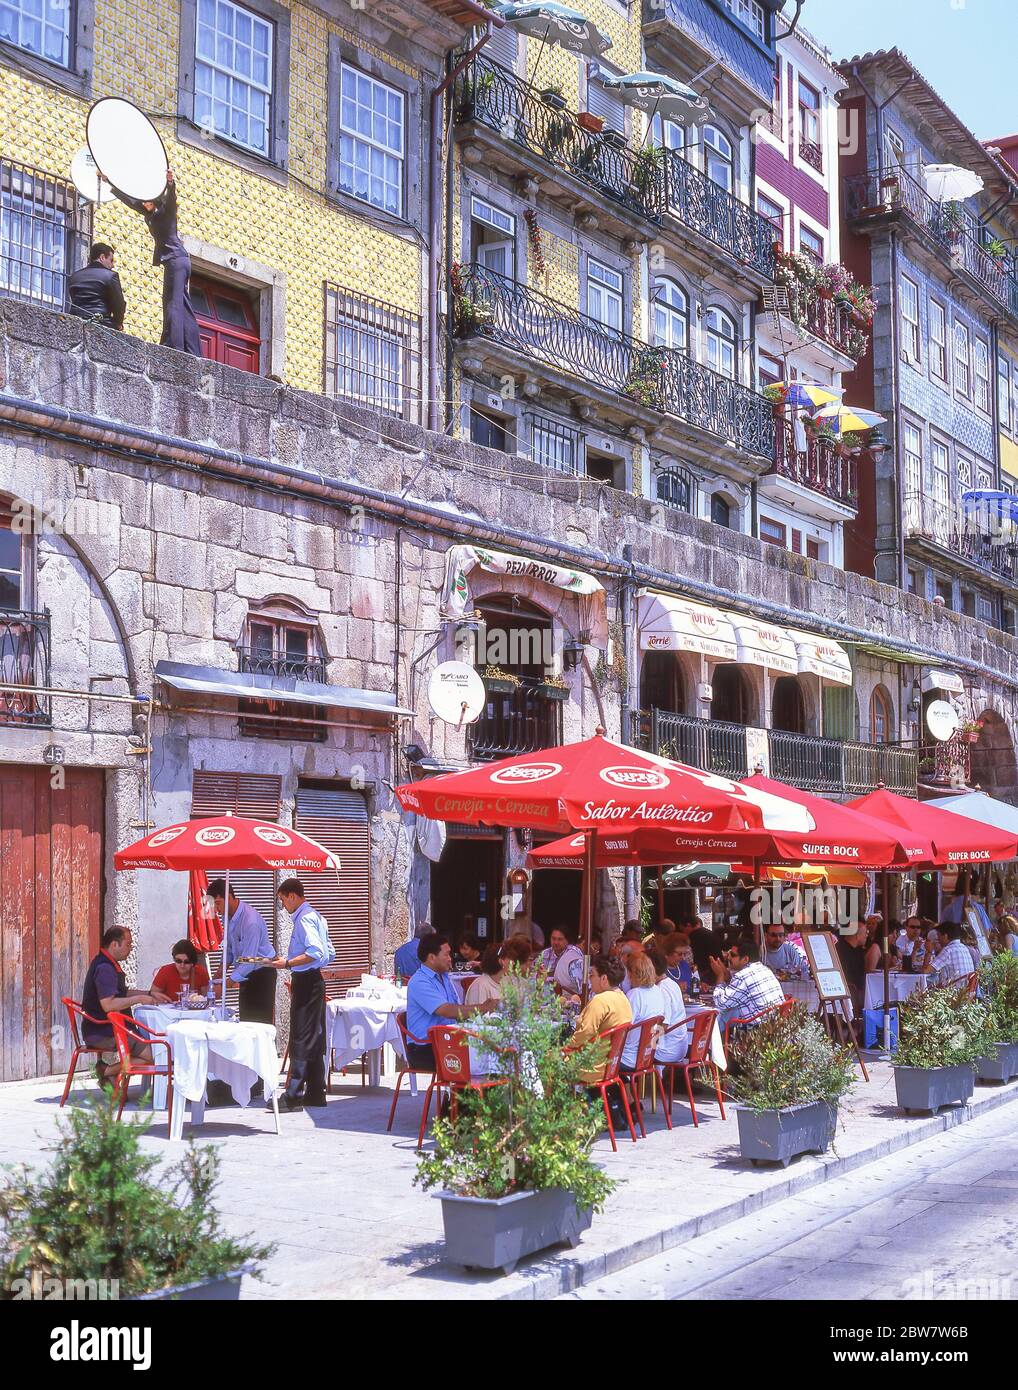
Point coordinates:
[(127, 148)]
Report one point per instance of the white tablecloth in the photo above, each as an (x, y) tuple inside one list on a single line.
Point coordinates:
[(355, 1025), (901, 986), (805, 991), (717, 1046)]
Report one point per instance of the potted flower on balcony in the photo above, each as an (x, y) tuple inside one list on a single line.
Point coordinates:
[(514, 1171), (645, 381), (645, 168), (998, 983), (788, 1079), (552, 96), (969, 730), (499, 682), (470, 313), (852, 444), (589, 122), (941, 1034), (553, 687), (777, 395)]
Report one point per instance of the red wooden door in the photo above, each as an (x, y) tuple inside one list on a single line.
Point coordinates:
[(51, 886), (227, 325)]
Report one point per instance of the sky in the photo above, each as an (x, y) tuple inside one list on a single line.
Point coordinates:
[(964, 48)]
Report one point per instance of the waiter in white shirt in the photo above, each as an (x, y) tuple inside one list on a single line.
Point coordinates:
[(309, 951), (248, 938)]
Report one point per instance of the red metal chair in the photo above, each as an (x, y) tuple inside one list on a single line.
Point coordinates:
[(451, 1047), (404, 1068), (697, 1056), (785, 1008), (616, 1040), (76, 1015), (126, 1031), (651, 1030)]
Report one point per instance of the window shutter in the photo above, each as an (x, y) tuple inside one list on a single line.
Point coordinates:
[(338, 819), (503, 47), (257, 796), (6, 514), (605, 104)]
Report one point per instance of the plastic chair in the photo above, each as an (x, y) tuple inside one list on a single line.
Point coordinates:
[(616, 1040), (452, 1067), (405, 1069), (784, 1008), (126, 1031), (697, 1056), (75, 1016), (650, 1034)]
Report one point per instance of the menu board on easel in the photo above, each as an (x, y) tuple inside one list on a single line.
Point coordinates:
[(825, 965)]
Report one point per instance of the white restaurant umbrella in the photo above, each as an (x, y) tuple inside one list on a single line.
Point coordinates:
[(656, 94), (555, 24), (985, 809), (948, 183)]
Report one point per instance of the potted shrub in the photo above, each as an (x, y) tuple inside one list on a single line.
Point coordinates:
[(499, 682), (941, 1034), (514, 1170), (998, 980), (969, 730), (787, 1078), (104, 1211), (552, 96), (645, 168)]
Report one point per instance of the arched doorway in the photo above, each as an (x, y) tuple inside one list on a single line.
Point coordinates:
[(732, 701), (662, 685), (788, 706), (993, 760), (520, 715)]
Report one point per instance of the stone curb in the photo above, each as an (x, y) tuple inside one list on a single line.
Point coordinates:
[(562, 1275)]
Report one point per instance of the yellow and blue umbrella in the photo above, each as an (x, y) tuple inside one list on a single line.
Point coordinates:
[(807, 395), (842, 418)]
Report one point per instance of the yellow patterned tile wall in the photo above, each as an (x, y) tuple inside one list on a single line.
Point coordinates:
[(287, 224)]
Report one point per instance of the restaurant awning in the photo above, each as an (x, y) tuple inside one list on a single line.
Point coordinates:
[(763, 644), (461, 559), (667, 623), (822, 656), (209, 680), (943, 680)]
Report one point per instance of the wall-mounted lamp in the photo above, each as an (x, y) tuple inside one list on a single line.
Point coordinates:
[(572, 655)]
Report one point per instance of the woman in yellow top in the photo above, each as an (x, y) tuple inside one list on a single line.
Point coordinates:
[(607, 1007)]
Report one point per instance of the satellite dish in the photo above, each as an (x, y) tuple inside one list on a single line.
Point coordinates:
[(127, 148), (456, 693), (942, 720), (85, 177)]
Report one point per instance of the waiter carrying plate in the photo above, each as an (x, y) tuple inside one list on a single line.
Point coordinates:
[(309, 951), (130, 156)]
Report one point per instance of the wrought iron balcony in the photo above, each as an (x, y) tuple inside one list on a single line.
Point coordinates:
[(947, 763), (824, 765), (259, 663), (928, 519), (810, 312), (490, 94), (519, 721), (700, 203), (24, 661), (492, 306), (812, 154), (950, 226), (820, 468)]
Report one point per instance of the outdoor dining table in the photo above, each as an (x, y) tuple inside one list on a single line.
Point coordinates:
[(717, 1046), (364, 1022), (900, 986), (206, 1047)]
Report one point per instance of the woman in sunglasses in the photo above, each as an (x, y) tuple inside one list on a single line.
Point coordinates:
[(186, 975)]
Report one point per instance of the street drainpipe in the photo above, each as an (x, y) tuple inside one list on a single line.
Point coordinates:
[(491, 22)]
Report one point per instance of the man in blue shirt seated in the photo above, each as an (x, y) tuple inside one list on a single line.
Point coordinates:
[(433, 999), (406, 961), (105, 992), (309, 951)]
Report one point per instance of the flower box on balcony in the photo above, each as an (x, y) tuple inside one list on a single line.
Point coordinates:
[(551, 96), (498, 682), (615, 138), (588, 121), (552, 690)]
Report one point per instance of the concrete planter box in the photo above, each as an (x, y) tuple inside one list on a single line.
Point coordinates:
[(777, 1136), (1000, 1065), (224, 1288), (929, 1088), (496, 1232)]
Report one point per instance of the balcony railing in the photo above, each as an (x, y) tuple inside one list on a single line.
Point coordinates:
[(951, 528), (950, 225), (820, 468), (823, 765), (522, 318), (24, 661), (488, 93), (521, 721), (812, 154), (711, 210), (947, 763), (824, 317), (307, 668)]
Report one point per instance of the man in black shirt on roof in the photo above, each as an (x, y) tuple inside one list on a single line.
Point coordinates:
[(94, 292)]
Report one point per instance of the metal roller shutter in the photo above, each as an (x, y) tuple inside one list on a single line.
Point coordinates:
[(257, 796), (338, 819), (502, 47), (605, 104)]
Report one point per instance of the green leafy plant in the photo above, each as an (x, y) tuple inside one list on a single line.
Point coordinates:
[(536, 1131), (941, 1026), (789, 1060), (998, 982), (646, 167), (775, 394), (106, 1211), (645, 382)]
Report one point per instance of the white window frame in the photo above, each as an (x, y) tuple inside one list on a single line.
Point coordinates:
[(228, 81), (813, 136), (938, 345), (717, 342), (963, 361), (804, 232), (605, 289), (670, 313), (716, 148), (558, 451), (46, 23), (1005, 397), (982, 374), (351, 140), (910, 297), (913, 459), (750, 13)]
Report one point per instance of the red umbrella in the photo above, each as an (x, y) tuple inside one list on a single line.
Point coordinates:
[(946, 838), (203, 927), (226, 843)]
